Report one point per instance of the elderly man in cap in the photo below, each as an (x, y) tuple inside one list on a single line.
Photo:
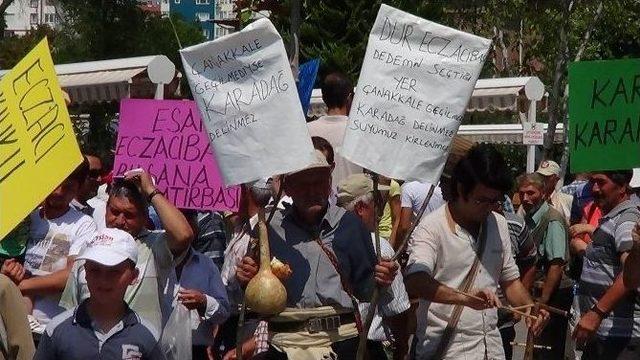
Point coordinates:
[(355, 194), (333, 262), (558, 200)]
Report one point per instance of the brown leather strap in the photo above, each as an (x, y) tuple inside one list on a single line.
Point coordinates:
[(466, 285), (345, 285), (302, 325)]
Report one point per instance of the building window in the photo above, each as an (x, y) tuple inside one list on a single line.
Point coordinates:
[(33, 3), (50, 18), (206, 33), (203, 16), (202, 2), (50, 2), (33, 18)]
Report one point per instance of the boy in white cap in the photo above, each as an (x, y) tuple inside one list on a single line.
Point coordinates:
[(103, 326)]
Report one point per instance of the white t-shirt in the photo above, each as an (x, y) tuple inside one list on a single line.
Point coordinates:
[(332, 128), (99, 211), (446, 251), (50, 242), (414, 193)]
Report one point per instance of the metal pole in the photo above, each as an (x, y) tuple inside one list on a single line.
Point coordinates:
[(531, 149)]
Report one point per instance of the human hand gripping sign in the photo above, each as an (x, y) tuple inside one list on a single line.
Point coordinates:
[(385, 271)]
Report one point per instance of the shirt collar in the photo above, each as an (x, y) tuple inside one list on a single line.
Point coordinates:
[(538, 214), (82, 318), (335, 117), (143, 233), (627, 204), (454, 226)]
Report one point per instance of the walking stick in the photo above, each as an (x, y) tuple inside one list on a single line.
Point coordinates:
[(531, 338), (362, 343), (406, 238), (243, 306)]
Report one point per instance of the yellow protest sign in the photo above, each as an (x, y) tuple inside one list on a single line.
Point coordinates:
[(38, 148)]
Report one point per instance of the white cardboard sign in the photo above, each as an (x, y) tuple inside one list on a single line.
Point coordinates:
[(414, 86), (246, 94), (532, 133)]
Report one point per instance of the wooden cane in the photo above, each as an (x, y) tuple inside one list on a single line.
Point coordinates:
[(531, 338), (507, 308), (554, 310), (407, 236), (362, 342), (243, 305)]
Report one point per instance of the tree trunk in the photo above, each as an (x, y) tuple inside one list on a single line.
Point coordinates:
[(3, 8), (555, 97), (564, 161)]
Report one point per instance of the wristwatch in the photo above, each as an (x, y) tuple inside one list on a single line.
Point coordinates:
[(598, 311), (153, 193)]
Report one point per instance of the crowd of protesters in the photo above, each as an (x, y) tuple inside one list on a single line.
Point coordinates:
[(106, 267)]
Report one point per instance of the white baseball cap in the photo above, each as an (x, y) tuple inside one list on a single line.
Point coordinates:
[(635, 180), (110, 247), (548, 168)]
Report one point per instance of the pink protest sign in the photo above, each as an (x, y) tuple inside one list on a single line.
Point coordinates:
[(167, 138)]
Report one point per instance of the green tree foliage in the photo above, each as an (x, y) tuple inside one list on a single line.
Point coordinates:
[(13, 48), (530, 38), (112, 29)]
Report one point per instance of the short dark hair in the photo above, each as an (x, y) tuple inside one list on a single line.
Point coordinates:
[(129, 190), (322, 144), (533, 178), (620, 177), (484, 165), (81, 171), (336, 88)]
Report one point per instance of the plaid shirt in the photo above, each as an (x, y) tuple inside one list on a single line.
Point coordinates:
[(261, 336)]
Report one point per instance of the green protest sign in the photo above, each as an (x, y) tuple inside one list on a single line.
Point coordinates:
[(604, 115)]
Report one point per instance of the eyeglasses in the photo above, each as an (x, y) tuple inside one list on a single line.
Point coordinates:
[(485, 201)]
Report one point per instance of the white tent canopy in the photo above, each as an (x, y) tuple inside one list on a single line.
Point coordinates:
[(501, 133), (111, 80)]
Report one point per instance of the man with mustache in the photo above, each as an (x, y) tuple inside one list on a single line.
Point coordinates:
[(550, 234), (610, 324)]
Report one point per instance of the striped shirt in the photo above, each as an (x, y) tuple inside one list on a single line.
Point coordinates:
[(395, 299), (212, 239), (522, 245), (601, 266)]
